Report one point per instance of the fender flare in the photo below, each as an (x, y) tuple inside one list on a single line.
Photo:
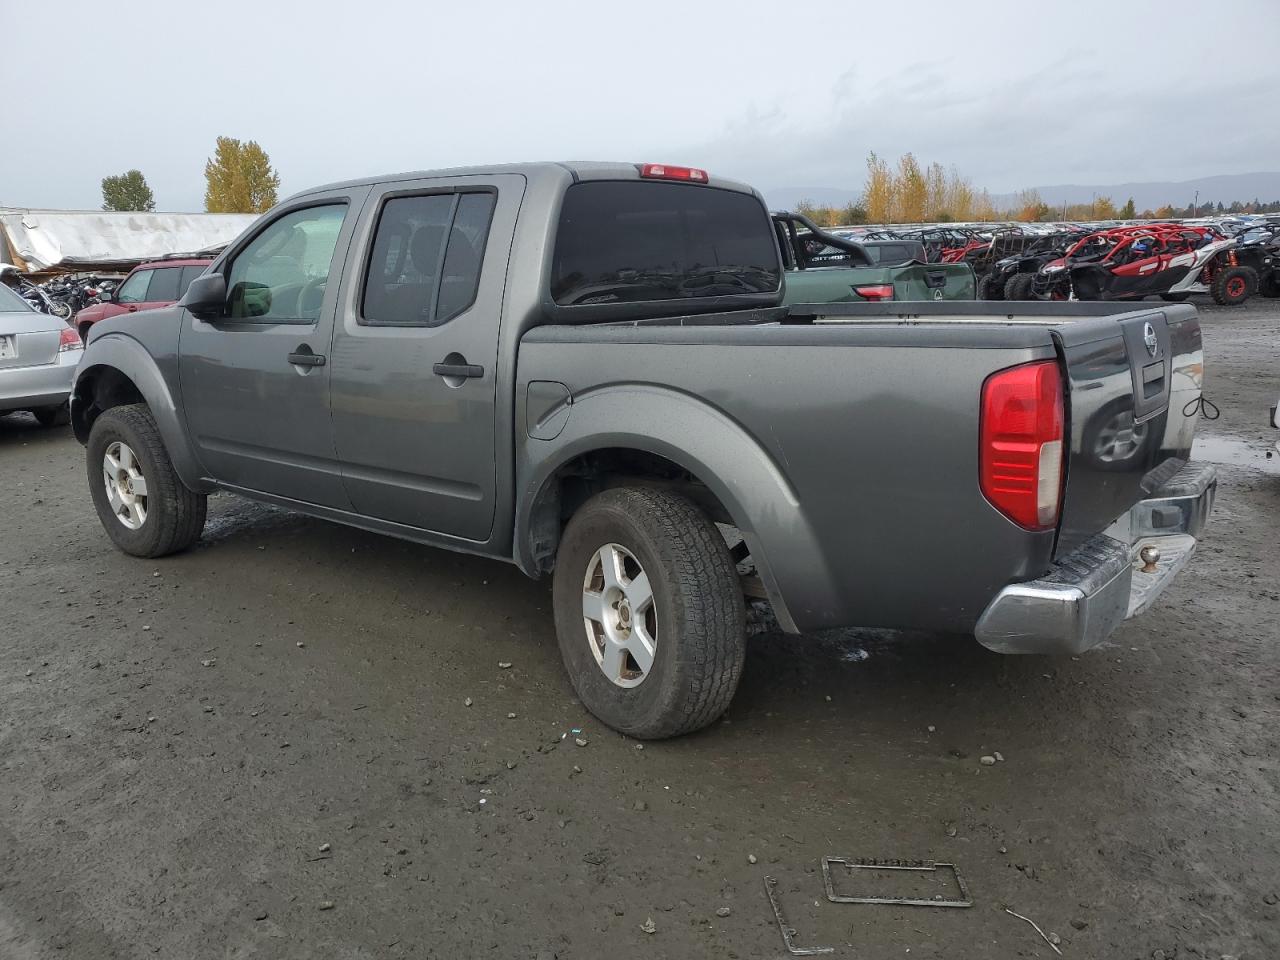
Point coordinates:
[(121, 353), (711, 446)]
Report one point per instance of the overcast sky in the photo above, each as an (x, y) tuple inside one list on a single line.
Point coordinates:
[(779, 94)]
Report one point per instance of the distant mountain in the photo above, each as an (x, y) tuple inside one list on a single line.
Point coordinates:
[(1146, 195), (788, 198), (1152, 195)]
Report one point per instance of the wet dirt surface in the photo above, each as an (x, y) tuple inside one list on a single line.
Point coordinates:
[(321, 789)]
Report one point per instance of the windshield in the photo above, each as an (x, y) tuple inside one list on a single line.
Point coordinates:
[(630, 241)]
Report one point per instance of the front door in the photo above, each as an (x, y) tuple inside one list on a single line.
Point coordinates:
[(415, 352), (255, 381)]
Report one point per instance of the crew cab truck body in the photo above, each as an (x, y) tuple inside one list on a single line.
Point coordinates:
[(584, 369)]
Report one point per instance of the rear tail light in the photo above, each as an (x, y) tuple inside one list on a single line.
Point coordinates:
[(875, 291), (69, 340), (1021, 437), (662, 171)]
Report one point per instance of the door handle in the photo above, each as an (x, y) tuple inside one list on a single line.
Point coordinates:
[(462, 370), (303, 357)]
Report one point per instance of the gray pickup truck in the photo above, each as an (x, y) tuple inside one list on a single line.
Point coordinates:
[(584, 369)]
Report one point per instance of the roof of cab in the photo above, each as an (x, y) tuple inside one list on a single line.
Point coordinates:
[(578, 169)]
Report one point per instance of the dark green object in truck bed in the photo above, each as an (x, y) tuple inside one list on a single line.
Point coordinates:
[(824, 268)]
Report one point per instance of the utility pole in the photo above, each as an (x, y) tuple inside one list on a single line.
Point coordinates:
[(1195, 205)]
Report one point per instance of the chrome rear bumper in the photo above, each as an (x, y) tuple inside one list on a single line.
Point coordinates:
[(1086, 595)]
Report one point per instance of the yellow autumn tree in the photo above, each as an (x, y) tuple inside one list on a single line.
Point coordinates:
[(878, 194), (935, 183), (959, 196), (239, 178), (912, 190), (983, 209), (1104, 209)]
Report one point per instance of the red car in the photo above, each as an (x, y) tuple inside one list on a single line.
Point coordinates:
[(150, 285)]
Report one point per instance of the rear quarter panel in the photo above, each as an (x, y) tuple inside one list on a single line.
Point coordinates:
[(872, 429)]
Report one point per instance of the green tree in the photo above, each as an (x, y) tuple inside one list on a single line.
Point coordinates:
[(127, 191), (851, 214), (1128, 211), (239, 178)]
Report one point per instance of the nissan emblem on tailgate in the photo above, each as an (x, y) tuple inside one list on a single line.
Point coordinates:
[(1149, 338)]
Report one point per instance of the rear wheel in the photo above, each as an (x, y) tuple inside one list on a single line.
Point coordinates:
[(58, 416), (143, 506), (649, 613), (1019, 286), (1234, 285), (1269, 285), (1177, 297), (990, 287)]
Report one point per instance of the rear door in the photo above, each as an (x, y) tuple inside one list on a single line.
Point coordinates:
[(415, 352)]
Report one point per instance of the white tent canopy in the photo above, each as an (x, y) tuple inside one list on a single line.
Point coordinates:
[(44, 240)]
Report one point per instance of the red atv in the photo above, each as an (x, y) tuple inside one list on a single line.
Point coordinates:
[(1129, 263)]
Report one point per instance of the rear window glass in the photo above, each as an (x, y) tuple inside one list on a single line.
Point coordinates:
[(10, 302), (164, 284), (630, 241)]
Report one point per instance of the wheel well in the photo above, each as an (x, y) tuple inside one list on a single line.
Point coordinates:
[(581, 478), (99, 389)]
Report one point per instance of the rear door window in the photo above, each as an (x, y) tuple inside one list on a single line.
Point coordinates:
[(424, 268), (164, 285), (188, 274), (631, 241)]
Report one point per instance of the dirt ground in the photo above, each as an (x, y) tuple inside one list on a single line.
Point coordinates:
[(264, 748)]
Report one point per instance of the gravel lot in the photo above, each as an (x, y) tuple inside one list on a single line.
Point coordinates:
[(264, 748)]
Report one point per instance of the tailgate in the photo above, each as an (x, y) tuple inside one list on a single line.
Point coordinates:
[(1132, 383), (933, 281)]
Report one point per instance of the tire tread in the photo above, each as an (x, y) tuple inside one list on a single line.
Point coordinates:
[(179, 527)]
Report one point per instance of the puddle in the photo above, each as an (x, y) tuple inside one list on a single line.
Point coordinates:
[(1237, 453)]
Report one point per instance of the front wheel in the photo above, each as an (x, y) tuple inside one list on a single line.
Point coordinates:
[(60, 309), (144, 507), (1018, 286), (1234, 285), (649, 613), (990, 287)]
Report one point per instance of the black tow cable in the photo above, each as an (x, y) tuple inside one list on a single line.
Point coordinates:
[(1203, 406)]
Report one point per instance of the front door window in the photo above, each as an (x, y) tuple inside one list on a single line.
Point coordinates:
[(282, 273)]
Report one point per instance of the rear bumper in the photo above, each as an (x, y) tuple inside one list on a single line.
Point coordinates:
[(45, 385), (1087, 594)]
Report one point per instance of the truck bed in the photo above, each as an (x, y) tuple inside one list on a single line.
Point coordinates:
[(870, 414)]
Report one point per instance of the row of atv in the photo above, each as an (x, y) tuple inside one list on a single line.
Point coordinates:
[(1170, 260)]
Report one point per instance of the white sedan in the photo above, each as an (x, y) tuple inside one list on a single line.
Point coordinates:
[(38, 358)]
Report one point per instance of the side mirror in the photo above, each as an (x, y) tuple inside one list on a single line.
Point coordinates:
[(206, 296)]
